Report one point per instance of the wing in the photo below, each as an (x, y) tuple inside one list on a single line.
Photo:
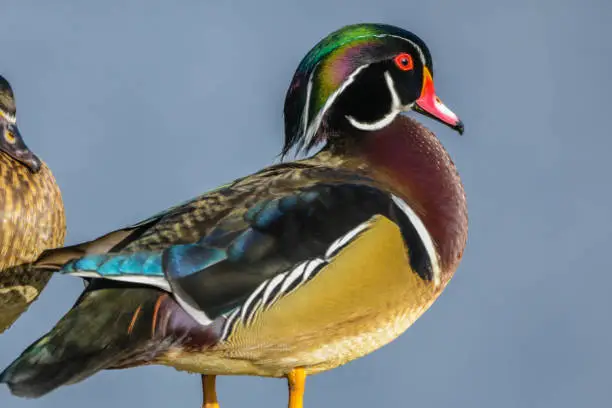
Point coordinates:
[(264, 250), (194, 219)]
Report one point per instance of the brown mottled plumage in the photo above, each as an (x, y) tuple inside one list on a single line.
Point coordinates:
[(31, 214)]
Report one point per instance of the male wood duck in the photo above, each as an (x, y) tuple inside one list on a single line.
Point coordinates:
[(31, 215), (294, 270)]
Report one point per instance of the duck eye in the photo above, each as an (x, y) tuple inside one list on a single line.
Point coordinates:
[(10, 137), (404, 62)]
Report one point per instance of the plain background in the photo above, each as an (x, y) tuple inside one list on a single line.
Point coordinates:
[(139, 106)]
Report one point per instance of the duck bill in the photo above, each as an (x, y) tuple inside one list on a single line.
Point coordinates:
[(19, 151), (430, 105)]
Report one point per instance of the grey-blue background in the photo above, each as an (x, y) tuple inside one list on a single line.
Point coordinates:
[(139, 106)]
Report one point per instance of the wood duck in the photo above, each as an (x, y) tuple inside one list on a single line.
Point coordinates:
[(31, 211), (291, 271)]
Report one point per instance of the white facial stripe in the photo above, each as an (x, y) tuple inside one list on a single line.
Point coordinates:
[(420, 51), (423, 234), (308, 132), (385, 121), (396, 108), (307, 105), (312, 129), (11, 119)]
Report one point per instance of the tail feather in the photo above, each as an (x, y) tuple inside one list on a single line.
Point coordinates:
[(106, 328)]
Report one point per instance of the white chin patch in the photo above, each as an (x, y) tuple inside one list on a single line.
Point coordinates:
[(385, 121), (396, 108)]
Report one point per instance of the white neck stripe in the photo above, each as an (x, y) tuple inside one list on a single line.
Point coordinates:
[(396, 108), (308, 132), (424, 235)]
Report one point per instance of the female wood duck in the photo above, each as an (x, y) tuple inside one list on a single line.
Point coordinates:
[(31, 212), (297, 269)]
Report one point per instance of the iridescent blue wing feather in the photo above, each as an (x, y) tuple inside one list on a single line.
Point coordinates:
[(248, 246)]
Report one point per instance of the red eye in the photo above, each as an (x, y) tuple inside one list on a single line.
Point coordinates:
[(404, 62)]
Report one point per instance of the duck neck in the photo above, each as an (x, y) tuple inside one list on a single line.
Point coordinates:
[(413, 163)]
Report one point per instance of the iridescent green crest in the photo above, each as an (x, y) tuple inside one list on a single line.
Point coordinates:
[(328, 67)]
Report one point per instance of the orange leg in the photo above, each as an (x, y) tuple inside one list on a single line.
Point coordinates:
[(210, 392), (297, 384)]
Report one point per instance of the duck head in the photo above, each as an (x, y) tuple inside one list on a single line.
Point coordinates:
[(361, 77), (11, 141)]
